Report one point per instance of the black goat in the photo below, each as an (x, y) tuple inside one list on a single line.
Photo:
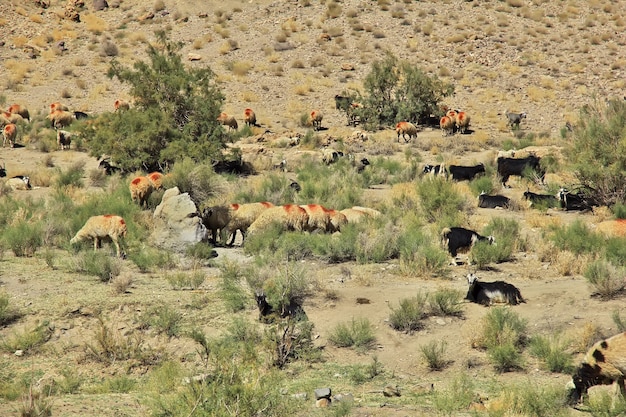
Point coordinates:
[(109, 169), (487, 293), (267, 313), (516, 166), (545, 200), (575, 201), (493, 201), (460, 173), (458, 238)]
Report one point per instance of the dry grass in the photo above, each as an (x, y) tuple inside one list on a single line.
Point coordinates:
[(94, 24)]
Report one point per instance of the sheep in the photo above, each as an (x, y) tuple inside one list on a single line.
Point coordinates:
[(249, 117), (140, 190), (215, 219), (7, 118), (64, 138), (9, 134), (611, 228), (452, 114), (242, 216), (19, 182), (462, 122), (289, 217), (487, 293), (447, 125), (357, 213), (315, 119), (156, 178), (60, 119), (319, 218), (19, 109), (106, 226), (227, 120), (514, 119), (369, 211), (57, 106), (330, 155), (337, 220), (406, 128), (121, 105), (603, 364)]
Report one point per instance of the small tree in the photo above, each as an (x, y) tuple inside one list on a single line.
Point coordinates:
[(174, 113), (597, 151), (399, 91)]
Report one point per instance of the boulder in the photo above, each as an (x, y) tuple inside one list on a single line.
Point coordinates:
[(177, 224)]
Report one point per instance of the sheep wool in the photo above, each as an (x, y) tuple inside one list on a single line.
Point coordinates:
[(19, 109), (243, 215), (290, 217), (60, 118), (140, 190), (249, 117), (9, 134), (319, 218), (156, 178), (406, 128), (101, 227), (337, 220)]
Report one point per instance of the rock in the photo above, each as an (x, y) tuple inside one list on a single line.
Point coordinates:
[(300, 396), (347, 67), (322, 403), (322, 393), (391, 391), (177, 224), (343, 398), (99, 5), (19, 352), (194, 57)]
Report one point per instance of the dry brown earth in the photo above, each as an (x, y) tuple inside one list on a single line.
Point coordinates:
[(545, 58)]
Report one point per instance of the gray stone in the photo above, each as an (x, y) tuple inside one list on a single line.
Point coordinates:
[(99, 5), (322, 393), (343, 398), (176, 222)]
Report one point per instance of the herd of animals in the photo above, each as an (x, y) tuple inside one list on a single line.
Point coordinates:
[(604, 363)]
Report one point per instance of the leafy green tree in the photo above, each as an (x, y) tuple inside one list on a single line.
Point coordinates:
[(174, 113), (598, 151), (399, 91)]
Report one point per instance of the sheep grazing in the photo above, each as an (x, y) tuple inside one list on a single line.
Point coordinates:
[(121, 105), (249, 117), (319, 218), (19, 182), (6, 118), (103, 227), (57, 106), (215, 219), (226, 120), (156, 178), (19, 109), (140, 190), (60, 119), (488, 293), (358, 213), (447, 125), (64, 139), (462, 122), (514, 119), (452, 114), (330, 156), (289, 217), (9, 133), (603, 364), (315, 119), (337, 220), (242, 216), (406, 128)]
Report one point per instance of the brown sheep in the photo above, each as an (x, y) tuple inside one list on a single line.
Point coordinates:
[(19, 109), (447, 125), (249, 117), (140, 190), (9, 133), (289, 217), (406, 128), (121, 105), (452, 114), (358, 213), (227, 120), (60, 119), (462, 121), (57, 106), (319, 218), (107, 226), (6, 118), (315, 119), (337, 220)]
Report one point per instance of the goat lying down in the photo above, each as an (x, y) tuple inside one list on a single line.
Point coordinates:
[(487, 293)]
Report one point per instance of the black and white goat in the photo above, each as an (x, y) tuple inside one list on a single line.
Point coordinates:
[(456, 239), (488, 293)]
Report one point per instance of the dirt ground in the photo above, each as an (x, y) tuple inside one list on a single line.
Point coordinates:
[(545, 58)]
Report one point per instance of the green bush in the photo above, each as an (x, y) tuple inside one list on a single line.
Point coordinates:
[(506, 233), (28, 340), (199, 180), (433, 354), (553, 352), (72, 177), (445, 302), (174, 113), (457, 397), (232, 292), (606, 405), (357, 334), (183, 280), (164, 319), (505, 357), (607, 279), (503, 326), (619, 322), (23, 237), (598, 134), (440, 202), (577, 238), (7, 312), (534, 400), (98, 264), (148, 259), (409, 314)]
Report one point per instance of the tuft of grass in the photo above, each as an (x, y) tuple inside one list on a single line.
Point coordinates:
[(232, 292), (553, 352), (23, 237), (607, 279), (183, 280), (121, 284), (409, 314), (358, 334), (445, 302), (98, 264), (433, 354), (27, 340), (93, 23), (73, 176), (503, 335), (164, 319), (617, 319), (7, 313), (147, 259)]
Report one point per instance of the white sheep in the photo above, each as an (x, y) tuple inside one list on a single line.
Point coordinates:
[(140, 190), (447, 125), (289, 217), (315, 119), (64, 138), (406, 128), (330, 155), (19, 109), (358, 213), (156, 178), (319, 218), (19, 182), (106, 226), (9, 134), (60, 118), (243, 215), (370, 211)]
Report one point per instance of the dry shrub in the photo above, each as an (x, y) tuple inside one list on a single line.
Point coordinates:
[(120, 284), (242, 68), (249, 97), (18, 70), (456, 38), (427, 28), (21, 11), (158, 5), (585, 337), (19, 41), (515, 3), (333, 11), (36, 18), (303, 89), (297, 64), (94, 24), (568, 264)]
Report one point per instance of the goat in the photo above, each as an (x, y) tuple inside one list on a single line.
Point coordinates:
[(460, 173), (545, 200), (459, 238), (574, 201), (493, 201), (267, 313), (514, 119), (517, 166), (487, 293)]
